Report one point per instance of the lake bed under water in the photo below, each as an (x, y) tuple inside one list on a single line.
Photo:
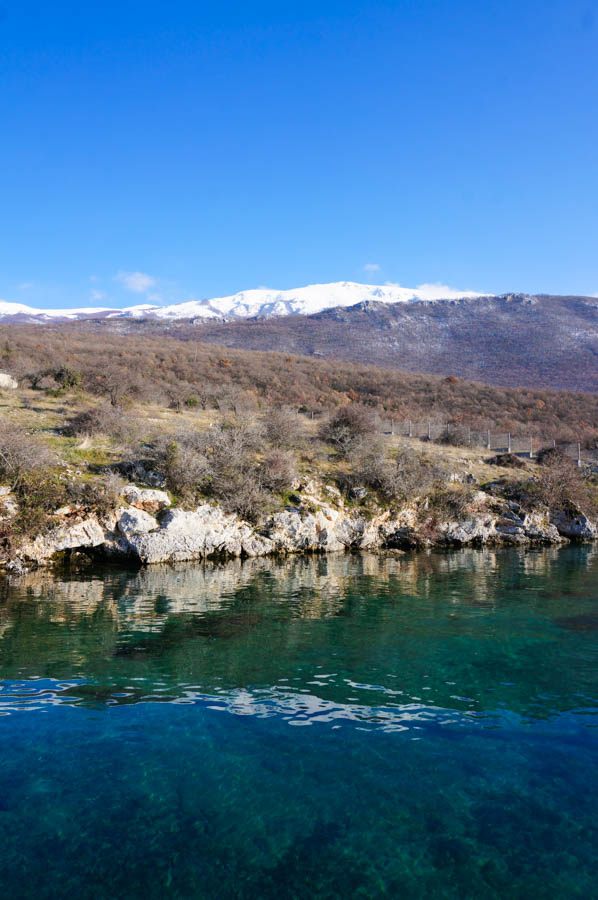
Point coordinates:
[(421, 725)]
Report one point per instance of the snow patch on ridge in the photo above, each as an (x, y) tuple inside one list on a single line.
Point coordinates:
[(246, 304)]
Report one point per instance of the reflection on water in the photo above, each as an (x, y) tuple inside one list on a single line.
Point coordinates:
[(449, 699)]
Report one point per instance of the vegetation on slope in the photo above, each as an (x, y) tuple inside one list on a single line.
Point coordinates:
[(178, 374)]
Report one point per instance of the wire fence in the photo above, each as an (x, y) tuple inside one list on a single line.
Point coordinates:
[(497, 441)]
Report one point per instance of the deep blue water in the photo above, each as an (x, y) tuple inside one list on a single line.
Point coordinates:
[(350, 726)]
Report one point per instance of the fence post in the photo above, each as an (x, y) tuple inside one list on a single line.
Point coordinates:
[(429, 431), (469, 436), (447, 429), (554, 443), (531, 448), (392, 426), (410, 434), (488, 440), (508, 442), (578, 454)]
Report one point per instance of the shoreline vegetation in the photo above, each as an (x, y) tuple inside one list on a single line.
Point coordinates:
[(115, 478)]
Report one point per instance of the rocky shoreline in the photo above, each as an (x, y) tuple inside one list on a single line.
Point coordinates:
[(147, 530)]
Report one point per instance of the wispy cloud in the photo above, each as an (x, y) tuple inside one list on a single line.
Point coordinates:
[(25, 286), (371, 267), (438, 291), (138, 282), (97, 295)]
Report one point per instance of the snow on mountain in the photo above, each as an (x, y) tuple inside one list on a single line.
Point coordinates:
[(259, 302), (8, 310)]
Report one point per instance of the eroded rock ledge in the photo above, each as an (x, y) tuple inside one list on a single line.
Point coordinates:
[(146, 530)]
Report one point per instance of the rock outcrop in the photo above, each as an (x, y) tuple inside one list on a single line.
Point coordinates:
[(7, 382), (575, 525), (206, 531), (146, 530), (85, 534)]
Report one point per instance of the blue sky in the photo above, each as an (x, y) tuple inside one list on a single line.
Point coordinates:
[(211, 147)]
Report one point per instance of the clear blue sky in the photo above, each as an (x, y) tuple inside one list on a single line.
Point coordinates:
[(216, 146)]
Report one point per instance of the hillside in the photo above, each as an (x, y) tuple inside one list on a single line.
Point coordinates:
[(511, 340), (159, 368)]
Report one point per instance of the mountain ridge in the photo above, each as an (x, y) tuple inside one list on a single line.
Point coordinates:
[(258, 302), (508, 339)]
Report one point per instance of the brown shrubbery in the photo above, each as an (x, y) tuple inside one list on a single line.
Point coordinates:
[(141, 367), (21, 455), (411, 474), (560, 483), (228, 463), (107, 420), (347, 427)]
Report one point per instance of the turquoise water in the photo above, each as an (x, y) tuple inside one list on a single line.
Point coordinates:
[(350, 726)]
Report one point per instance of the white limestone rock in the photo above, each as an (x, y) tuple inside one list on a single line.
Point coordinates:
[(574, 525), (293, 530), (80, 536), (477, 529), (131, 520), (7, 382), (203, 532), (150, 500), (8, 504)]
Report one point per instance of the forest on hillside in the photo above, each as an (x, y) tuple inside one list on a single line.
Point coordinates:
[(137, 368)]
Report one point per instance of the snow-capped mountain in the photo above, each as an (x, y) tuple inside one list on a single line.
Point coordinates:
[(259, 302)]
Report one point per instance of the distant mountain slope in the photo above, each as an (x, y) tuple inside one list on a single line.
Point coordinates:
[(512, 339), (260, 302)]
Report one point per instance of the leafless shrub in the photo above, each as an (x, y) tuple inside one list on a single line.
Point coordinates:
[(412, 474), (107, 420), (277, 471), (506, 460), (455, 436), (416, 474), (185, 465), (99, 496), (347, 426), (559, 483), (371, 468), (21, 454), (248, 499), (216, 462), (30, 470), (284, 428), (119, 381), (450, 503)]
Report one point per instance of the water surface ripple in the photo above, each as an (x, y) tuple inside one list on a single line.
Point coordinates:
[(344, 726)]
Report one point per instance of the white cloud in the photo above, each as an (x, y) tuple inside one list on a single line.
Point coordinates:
[(371, 267), (97, 295), (138, 282), (439, 291), (25, 286)]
